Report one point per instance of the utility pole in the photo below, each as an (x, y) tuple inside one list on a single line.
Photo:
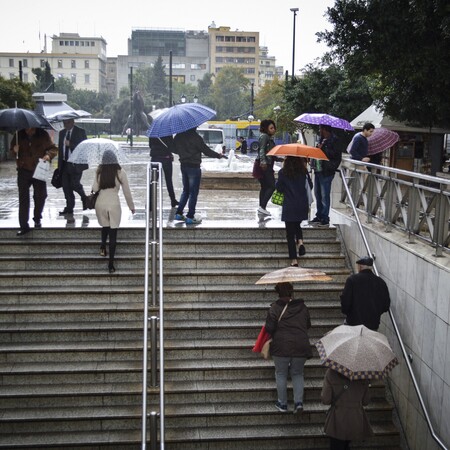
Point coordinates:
[(131, 104), (170, 79), (252, 98)]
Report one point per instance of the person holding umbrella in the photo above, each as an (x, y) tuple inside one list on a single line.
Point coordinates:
[(108, 179), (28, 146), (288, 321), (292, 179), (190, 146)]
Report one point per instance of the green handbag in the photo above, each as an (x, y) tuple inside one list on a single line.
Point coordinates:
[(277, 198)]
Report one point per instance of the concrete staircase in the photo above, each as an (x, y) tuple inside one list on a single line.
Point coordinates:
[(71, 349)]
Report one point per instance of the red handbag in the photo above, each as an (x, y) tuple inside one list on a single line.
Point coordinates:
[(262, 338)]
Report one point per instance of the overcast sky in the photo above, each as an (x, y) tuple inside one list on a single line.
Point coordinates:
[(23, 22)]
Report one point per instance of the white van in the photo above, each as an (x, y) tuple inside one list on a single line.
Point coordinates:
[(213, 137)]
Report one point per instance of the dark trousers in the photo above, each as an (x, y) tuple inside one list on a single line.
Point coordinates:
[(24, 181), (293, 234), (337, 444), (167, 168), (112, 233), (267, 183), (71, 182)]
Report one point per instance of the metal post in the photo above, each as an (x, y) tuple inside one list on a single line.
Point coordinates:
[(131, 106), (153, 433), (294, 10), (170, 79), (154, 352), (252, 98)]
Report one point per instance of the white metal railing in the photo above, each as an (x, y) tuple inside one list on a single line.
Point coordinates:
[(415, 203), (153, 245), (346, 186)]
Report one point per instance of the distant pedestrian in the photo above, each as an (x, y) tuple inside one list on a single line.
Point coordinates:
[(365, 296), (28, 146), (267, 182), (161, 151), (346, 419), (69, 137), (292, 180), (108, 179), (288, 321), (244, 146), (190, 146), (324, 172), (359, 148)]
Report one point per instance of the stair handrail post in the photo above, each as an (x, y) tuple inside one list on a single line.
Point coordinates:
[(394, 323)]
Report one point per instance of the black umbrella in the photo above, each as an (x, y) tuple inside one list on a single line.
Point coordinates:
[(13, 119)]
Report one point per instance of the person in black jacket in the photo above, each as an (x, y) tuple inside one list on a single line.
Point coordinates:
[(323, 175), (365, 296), (69, 137), (190, 146), (288, 322), (161, 151)]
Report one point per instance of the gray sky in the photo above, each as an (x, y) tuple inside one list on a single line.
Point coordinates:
[(93, 18)]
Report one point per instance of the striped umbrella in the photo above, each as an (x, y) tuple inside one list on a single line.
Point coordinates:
[(357, 352), (180, 118), (381, 140)]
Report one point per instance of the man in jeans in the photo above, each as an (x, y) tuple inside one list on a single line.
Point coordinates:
[(189, 146), (324, 173)]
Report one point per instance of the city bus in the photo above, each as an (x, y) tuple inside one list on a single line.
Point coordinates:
[(249, 130)]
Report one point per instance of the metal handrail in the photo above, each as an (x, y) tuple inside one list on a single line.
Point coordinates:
[(394, 323), (153, 203)]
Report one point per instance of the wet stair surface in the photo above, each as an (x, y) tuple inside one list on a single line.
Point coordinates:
[(71, 341)]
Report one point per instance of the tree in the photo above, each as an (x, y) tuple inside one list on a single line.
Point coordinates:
[(14, 92), (45, 81), (231, 93), (158, 82), (205, 88), (403, 47)]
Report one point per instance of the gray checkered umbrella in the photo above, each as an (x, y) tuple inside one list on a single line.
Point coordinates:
[(357, 352)]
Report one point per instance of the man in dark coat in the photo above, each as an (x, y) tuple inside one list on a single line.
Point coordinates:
[(365, 296), (69, 138)]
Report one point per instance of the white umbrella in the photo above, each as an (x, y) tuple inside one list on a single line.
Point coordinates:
[(98, 151), (292, 275)]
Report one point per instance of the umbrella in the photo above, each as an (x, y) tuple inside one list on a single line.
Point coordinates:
[(67, 114), (324, 119), (293, 274), (180, 118), (381, 140), (357, 352), (298, 149), (90, 151), (13, 119)]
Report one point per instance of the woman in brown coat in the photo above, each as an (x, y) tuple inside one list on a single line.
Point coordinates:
[(288, 322), (346, 419)]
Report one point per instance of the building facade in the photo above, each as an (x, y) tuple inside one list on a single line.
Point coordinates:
[(82, 60)]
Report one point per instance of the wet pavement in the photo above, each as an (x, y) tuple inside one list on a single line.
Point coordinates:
[(217, 208)]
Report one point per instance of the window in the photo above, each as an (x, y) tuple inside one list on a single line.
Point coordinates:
[(72, 43), (77, 43), (87, 79), (60, 63), (11, 62), (192, 77), (25, 63), (73, 64), (198, 66), (66, 43), (42, 63), (86, 64), (87, 43), (73, 78), (220, 38), (92, 44), (12, 76), (61, 43), (25, 78), (230, 39), (82, 43), (179, 66)]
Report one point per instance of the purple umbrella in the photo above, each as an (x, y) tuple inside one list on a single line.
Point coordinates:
[(324, 119), (381, 140)]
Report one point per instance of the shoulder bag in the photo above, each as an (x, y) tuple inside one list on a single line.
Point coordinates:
[(56, 179), (91, 200)]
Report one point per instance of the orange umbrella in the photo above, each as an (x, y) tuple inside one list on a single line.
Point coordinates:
[(297, 149)]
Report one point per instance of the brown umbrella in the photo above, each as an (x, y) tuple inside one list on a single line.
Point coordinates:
[(292, 275), (357, 352), (297, 149)]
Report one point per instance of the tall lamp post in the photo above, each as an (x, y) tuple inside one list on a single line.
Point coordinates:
[(294, 10)]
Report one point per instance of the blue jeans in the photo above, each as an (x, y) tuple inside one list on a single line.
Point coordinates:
[(322, 190), (191, 177), (284, 364)]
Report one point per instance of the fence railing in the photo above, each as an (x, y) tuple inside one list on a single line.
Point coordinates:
[(415, 203)]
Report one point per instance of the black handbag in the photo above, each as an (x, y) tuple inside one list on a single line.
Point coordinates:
[(56, 179), (91, 199)]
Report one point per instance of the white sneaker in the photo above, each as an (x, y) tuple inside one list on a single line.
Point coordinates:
[(263, 211)]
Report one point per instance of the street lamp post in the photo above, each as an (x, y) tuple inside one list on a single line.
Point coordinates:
[(294, 10)]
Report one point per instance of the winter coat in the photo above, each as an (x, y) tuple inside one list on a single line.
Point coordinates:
[(107, 206), (290, 334), (189, 146), (295, 204), (266, 143), (161, 148), (346, 419), (364, 299)]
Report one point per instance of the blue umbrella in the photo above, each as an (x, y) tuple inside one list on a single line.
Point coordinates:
[(180, 118), (324, 119)]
